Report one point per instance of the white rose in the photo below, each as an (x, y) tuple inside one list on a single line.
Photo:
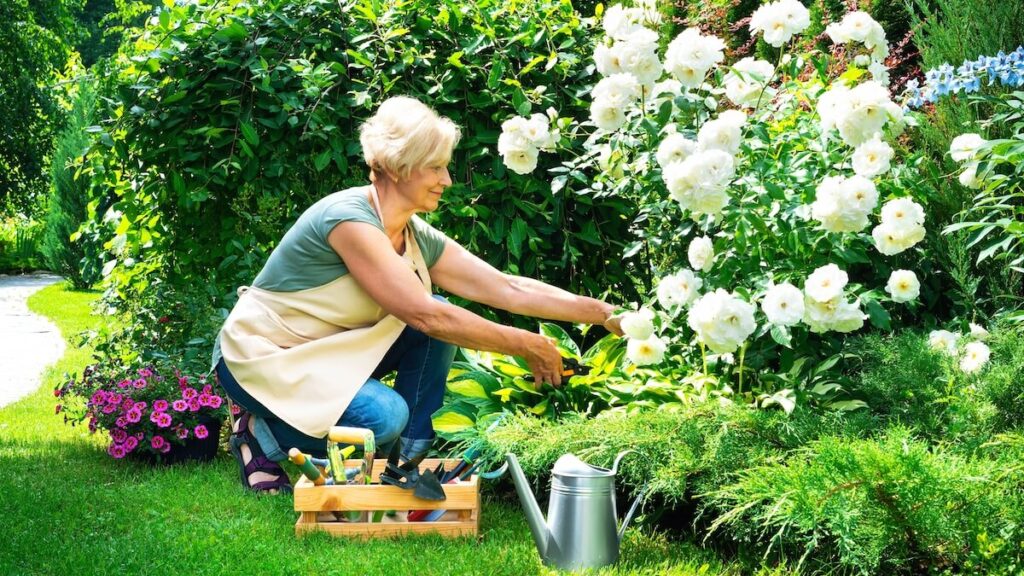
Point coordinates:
[(848, 317), (607, 116), (965, 147), (538, 132), (978, 332), (770, 21), (722, 321), (976, 355), (746, 80), (832, 105), (620, 21), (843, 204), (721, 134), (521, 161), (678, 289), (783, 304), (879, 73), (701, 253), (690, 56), (903, 286), (638, 325), (617, 90), (607, 60), (891, 238), (943, 341), (645, 352), (969, 177), (826, 283), (872, 158), (674, 148), (903, 213)]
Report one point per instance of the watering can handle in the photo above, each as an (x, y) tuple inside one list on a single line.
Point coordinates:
[(632, 510), (618, 458)]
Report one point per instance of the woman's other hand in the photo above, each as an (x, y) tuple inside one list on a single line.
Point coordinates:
[(613, 324), (544, 360)]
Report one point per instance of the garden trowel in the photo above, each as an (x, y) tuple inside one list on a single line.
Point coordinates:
[(407, 476)]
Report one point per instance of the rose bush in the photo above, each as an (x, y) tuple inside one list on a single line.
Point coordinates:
[(765, 178)]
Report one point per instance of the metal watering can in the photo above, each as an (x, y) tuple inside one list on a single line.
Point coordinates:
[(580, 531)]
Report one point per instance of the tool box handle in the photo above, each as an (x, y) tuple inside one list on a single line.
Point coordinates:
[(349, 435)]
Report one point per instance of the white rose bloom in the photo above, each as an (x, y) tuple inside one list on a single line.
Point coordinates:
[(943, 341), (638, 325), (699, 182), (620, 21), (978, 332), (521, 161), (903, 213), (722, 321), (832, 106), (674, 148), (737, 118), (606, 160), (798, 17), (969, 177), (892, 238), (779, 21), (691, 55), (858, 25), (783, 304), (848, 317), (617, 90), (879, 73), (965, 147), (872, 158), (608, 59), (746, 80), (701, 254), (607, 116), (651, 16), (514, 135), (826, 283), (976, 355), (538, 132), (818, 315), (837, 33), (678, 289), (862, 60), (720, 134), (903, 286), (669, 86), (843, 205), (637, 55), (645, 352)]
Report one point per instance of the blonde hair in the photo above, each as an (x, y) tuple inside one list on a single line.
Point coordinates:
[(405, 134)]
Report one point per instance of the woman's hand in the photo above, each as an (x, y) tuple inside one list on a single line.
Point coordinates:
[(613, 323), (544, 360)]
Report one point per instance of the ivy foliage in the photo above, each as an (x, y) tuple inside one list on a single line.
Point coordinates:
[(227, 120)]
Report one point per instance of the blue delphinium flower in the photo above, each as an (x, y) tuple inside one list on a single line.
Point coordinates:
[(1003, 68)]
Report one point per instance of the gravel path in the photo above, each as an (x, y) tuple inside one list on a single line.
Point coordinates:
[(28, 342)]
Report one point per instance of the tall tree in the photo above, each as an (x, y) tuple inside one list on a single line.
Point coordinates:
[(35, 40)]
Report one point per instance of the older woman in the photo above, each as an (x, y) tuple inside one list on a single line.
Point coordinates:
[(345, 299)]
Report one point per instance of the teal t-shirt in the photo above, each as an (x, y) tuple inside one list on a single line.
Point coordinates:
[(304, 259)]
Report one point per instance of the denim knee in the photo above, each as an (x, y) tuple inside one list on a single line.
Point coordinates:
[(396, 417)]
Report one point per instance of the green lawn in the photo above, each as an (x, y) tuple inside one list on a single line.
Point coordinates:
[(68, 508)]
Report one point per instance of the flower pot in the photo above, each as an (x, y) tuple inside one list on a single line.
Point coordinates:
[(193, 449)]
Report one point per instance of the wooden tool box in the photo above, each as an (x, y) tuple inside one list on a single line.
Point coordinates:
[(463, 503)]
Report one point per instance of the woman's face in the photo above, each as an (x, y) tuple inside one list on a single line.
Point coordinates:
[(425, 186)]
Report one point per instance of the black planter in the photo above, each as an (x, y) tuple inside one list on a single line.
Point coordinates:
[(194, 449)]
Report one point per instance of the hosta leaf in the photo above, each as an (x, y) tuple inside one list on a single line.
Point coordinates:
[(451, 422), (467, 387)]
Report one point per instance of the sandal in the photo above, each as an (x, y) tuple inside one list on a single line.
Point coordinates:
[(258, 462)]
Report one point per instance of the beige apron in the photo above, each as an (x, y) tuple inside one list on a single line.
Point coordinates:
[(304, 355)]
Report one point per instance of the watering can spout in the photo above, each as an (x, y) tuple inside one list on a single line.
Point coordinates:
[(534, 517), (636, 503)]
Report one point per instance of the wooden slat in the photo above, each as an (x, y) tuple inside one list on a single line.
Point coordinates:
[(462, 496), (367, 530)]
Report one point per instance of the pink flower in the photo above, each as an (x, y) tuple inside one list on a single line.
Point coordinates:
[(140, 383), (166, 448), (134, 415), (204, 399), (182, 433), (141, 405), (215, 401), (116, 450), (92, 425), (158, 442), (160, 405), (124, 383), (164, 420), (201, 431), (130, 443), (235, 410), (207, 389), (182, 382), (189, 393), (154, 417), (193, 405), (180, 405), (109, 408), (98, 398), (127, 405), (57, 409), (145, 372), (114, 398), (118, 435), (122, 422), (57, 392)]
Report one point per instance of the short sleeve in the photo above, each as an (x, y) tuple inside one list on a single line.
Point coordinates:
[(430, 240), (349, 208)]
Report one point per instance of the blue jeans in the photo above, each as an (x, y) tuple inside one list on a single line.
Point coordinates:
[(422, 364)]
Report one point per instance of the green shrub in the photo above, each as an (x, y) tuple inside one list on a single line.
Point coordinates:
[(77, 261), (1003, 383), (239, 116), (888, 506), (19, 244)]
